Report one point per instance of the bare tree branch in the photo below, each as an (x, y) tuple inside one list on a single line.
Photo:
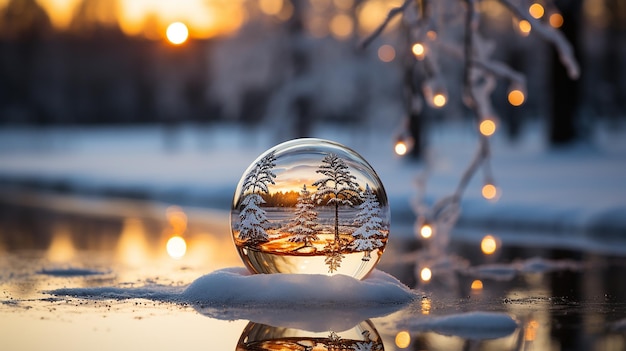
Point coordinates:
[(391, 15)]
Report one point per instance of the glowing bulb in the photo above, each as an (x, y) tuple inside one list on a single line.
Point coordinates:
[(386, 53), (426, 274), (487, 127), (488, 245), (516, 97), (176, 247), (477, 285), (489, 191), (556, 20), (426, 231), (439, 100), (524, 27), (177, 33), (418, 50), (401, 148), (536, 10), (403, 339), (341, 26)]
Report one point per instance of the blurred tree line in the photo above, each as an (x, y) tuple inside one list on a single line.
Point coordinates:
[(271, 71)]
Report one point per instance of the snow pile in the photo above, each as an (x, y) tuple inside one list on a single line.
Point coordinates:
[(471, 325), (309, 302)]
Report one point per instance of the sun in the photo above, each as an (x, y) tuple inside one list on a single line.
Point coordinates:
[(177, 33)]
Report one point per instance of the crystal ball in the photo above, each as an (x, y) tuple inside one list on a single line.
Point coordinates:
[(310, 206)]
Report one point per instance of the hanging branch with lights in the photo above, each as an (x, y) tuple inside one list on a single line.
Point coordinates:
[(479, 80)]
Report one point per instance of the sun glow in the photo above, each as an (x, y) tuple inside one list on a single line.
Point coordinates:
[(176, 247), (177, 33)]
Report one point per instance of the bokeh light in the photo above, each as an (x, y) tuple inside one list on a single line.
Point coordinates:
[(401, 148), (477, 285), (556, 20), (439, 100), (426, 274), (487, 127), (177, 33), (524, 27), (426, 231), (536, 10), (516, 97), (488, 245), (271, 7), (403, 339), (341, 26), (176, 247), (386, 53), (489, 191), (418, 50)]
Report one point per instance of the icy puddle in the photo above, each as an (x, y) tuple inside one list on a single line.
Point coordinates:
[(82, 274)]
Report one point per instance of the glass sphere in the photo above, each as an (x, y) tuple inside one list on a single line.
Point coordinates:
[(256, 337), (310, 206)]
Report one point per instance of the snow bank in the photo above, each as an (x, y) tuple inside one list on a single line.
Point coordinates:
[(310, 302), (471, 325)]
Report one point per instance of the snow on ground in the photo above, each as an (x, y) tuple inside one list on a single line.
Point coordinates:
[(579, 190), (284, 300)]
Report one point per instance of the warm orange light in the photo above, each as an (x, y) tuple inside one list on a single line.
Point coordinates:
[(341, 26), (177, 219), (418, 50), (439, 100), (488, 245), (61, 248), (271, 7), (487, 127), (177, 33), (403, 339), (426, 306), (426, 231), (386, 53), (426, 274), (536, 10), (524, 27), (477, 285), (489, 191), (176, 247), (556, 20), (401, 148), (530, 332), (516, 97), (431, 34)]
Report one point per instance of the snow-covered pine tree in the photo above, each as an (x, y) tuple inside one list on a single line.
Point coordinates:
[(368, 234), (303, 225), (338, 187), (253, 218)]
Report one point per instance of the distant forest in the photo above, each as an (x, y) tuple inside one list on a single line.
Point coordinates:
[(290, 199)]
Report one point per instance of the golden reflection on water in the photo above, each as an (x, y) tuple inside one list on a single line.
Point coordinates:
[(132, 247), (61, 247)]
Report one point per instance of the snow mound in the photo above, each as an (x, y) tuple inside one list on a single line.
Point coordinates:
[(308, 302), (471, 325), (237, 287)]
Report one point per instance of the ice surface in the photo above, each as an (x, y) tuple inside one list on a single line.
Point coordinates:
[(507, 271), (470, 325), (304, 301), (70, 272)]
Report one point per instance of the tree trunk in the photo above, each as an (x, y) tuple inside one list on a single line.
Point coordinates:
[(565, 92), (336, 222)]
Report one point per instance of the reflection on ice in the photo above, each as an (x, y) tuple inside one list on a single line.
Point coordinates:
[(470, 325), (61, 248), (258, 337)]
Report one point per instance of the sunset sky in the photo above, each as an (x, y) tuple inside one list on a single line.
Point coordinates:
[(208, 18)]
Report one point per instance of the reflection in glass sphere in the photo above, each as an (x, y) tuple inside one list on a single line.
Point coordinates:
[(259, 337), (310, 206)]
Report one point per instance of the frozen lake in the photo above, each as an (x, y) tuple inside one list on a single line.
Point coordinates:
[(558, 298)]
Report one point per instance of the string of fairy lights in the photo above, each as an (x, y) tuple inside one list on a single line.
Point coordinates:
[(425, 23)]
